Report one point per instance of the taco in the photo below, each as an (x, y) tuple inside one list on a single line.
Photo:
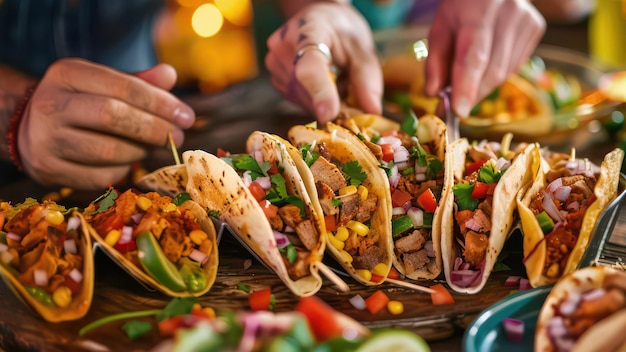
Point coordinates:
[(412, 154), (164, 243), (584, 311), (47, 258), (263, 198), (353, 194), (560, 209), (478, 213)]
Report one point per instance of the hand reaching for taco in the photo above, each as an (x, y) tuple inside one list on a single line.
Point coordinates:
[(169, 244), (46, 257), (559, 211)]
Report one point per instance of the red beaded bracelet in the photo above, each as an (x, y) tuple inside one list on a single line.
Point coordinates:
[(14, 124)]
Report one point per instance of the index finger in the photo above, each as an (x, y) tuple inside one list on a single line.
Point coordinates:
[(83, 76), (313, 73)]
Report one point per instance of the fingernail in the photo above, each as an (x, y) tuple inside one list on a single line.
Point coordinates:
[(463, 107), (184, 116)]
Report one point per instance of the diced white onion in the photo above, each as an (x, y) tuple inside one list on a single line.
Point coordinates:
[(40, 277), (258, 156), (394, 178), (198, 256), (281, 239), (417, 216), (502, 164), (264, 182), (562, 193), (570, 304), (593, 294), (126, 235), (76, 275), (514, 329), (247, 178), (398, 211), (401, 154), (70, 246), (395, 142), (512, 280), (464, 278), (137, 217), (14, 236), (358, 302), (73, 223), (554, 185), (550, 207)]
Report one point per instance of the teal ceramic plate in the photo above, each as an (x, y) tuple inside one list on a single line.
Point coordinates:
[(485, 333)]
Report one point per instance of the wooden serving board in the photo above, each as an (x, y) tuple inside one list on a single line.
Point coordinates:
[(117, 292)]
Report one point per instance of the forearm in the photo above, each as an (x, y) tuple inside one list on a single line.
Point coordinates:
[(291, 7), (13, 85)]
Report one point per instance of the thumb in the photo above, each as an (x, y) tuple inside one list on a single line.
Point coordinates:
[(320, 88), (162, 76)]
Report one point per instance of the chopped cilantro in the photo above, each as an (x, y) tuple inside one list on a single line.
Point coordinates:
[(387, 167), (488, 174), (409, 170), (335, 202), (375, 139), (107, 200), (134, 329), (308, 155), (409, 125), (214, 213), (181, 198), (241, 286), (246, 162), (433, 165), (354, 173), (463, 196), (278, 190), (177, 306), (289, 251)]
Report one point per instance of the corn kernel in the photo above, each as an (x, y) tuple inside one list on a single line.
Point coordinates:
[(395, 307), (54, 217), (342, 233), (365, 274), (143, 203), (363, 192), (345, 256), (62, 296), (209, 311), (170, 207), (206, 246), (112, 237), (196, 306), (347, 190), (335, 242), (197, 236), (358, 227), (381, 269)]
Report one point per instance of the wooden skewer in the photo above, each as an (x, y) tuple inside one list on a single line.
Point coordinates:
[(409, 285), (173, 147), (329, 274)]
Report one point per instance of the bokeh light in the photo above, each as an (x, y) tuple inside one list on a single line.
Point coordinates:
[(237, 12), (207, 20)]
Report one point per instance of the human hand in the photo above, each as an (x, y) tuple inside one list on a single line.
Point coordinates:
[(475, 45), (86, 123), (307, 81)]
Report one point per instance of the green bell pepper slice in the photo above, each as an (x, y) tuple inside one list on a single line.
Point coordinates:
[(156, 264)]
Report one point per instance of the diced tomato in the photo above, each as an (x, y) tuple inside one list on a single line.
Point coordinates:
[(269, 209), (321, 318), (390, 133), (377, 301), (441, 295), (126, 246), (492, 188), (168, 327), (394, 273), (474, 166), (400, 197), (376, 278), (221, 153), (273, 170), (257, 191), (260, 300), (480, 190), (427, 201), (331, 223), (387, 150), (114, 221), (72, 285), (199, 312)]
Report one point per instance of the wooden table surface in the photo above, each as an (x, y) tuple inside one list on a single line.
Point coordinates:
[(225, 120)]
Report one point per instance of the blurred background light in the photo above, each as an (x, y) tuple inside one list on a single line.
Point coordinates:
[(207, 20)]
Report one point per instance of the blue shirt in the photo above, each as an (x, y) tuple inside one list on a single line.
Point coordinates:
[(116, 33)]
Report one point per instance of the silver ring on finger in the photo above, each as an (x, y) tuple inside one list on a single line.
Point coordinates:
[(321, 47)]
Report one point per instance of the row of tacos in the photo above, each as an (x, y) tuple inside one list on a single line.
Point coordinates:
[(47, 257), (377, 194)]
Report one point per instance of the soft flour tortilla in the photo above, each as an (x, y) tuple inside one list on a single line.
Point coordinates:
[(209, 270), (601, 336), (169, 180), (605, 191), (515, 179), (216, 186), (80, 304), (430, 128), (346, 147)]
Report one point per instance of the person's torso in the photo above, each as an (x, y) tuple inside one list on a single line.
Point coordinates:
[(117, 33)]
